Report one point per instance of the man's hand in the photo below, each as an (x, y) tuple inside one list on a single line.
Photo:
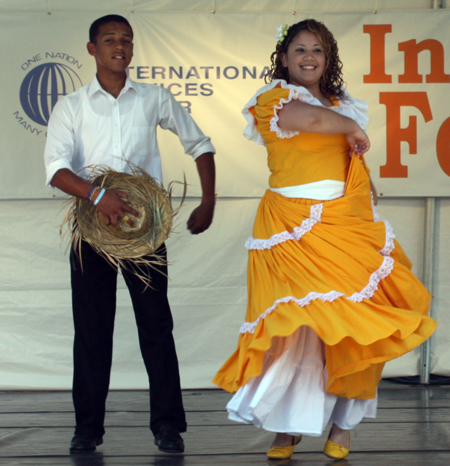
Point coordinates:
[(201, 218), (111, 205), (113, 208)]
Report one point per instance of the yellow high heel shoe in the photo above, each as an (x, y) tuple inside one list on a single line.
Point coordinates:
[(283, 453), (336, 451)]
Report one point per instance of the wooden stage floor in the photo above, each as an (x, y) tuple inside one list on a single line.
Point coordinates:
[(412, 428)]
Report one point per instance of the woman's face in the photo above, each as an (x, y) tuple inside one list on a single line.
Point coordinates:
[(305, 60)]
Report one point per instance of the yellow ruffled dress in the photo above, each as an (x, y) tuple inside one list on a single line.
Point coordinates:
[(329, 266)]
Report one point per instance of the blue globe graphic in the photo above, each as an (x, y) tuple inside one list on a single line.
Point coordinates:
[(43, 86)]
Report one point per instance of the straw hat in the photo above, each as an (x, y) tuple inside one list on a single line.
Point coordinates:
[(135, 245)]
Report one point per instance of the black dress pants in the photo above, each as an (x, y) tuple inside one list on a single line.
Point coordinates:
[(94, 284)]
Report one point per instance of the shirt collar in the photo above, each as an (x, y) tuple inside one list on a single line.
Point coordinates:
[(130, 84), (95, 87)]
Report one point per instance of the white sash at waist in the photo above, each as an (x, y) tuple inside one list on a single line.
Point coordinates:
[(324, 190)]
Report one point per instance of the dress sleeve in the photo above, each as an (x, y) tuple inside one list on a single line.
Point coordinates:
[(356, 109), (261, 112)]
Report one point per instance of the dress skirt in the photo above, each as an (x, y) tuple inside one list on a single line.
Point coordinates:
[(289, 395), (333, 268)]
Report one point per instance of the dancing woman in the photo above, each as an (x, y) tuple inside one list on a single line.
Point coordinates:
[(331, 296)]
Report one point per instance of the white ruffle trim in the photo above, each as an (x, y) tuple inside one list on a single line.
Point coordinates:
[(298, 232), (374, 280), (297, 93), (325, 297), (366, 293), (376, 217), (389, 245), (355, 109)]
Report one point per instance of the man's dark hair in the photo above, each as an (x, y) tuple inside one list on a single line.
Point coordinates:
[(95, 26)]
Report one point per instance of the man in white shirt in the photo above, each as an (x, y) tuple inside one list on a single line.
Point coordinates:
[(109, 122)]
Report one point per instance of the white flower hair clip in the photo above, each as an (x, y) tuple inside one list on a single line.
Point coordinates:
[(282, 31)]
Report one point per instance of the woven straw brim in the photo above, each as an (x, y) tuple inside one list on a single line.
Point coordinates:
[(136, 244)]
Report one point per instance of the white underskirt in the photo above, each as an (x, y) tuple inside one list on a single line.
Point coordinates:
[(324, 190), (289, 395)]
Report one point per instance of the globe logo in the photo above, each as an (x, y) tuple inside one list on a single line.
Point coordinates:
[(43, 86)]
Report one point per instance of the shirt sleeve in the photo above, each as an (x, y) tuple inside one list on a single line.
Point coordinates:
[(60, 143), (176, 119)]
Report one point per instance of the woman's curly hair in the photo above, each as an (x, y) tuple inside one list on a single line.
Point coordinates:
[(331, 81)]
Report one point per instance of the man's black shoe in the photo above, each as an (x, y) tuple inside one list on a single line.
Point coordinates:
[(169, 440), (84, 443)]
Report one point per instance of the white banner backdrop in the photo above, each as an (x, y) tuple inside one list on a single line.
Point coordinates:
[(213, 64)]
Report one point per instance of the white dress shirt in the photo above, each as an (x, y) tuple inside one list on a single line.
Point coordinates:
[(91, 127)]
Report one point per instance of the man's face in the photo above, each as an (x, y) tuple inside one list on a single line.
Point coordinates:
[(113, 48)]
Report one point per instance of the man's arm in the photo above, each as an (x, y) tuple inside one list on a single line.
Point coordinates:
[(201, 217), (111, 205), (176, 119), (58, 156)]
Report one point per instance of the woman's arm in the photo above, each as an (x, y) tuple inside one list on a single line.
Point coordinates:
[(299, 116)]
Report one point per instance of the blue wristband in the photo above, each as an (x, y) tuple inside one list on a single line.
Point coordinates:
[(99, 197), (91, 192)]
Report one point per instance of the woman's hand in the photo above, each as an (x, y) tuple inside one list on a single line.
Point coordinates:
[(358, 141)]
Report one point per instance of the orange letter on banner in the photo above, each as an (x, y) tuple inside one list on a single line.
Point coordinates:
[(394, 101), (412, 50), (377, 53), (443, 146)]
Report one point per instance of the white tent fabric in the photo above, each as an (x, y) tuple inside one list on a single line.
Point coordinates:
[(207, 272), (207, 294)]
